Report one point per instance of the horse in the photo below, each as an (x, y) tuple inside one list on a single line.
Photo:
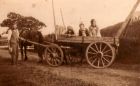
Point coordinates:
[(32, 35)]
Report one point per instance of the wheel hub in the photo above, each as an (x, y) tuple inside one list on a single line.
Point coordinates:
[(54, 55), (99, 54)]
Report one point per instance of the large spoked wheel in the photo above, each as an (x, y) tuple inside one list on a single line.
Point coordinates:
[(54, 55), (100, 54)]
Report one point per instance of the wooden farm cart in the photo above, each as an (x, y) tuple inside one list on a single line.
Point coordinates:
[(99, 52)]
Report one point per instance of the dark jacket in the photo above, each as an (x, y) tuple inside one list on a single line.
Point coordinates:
[(70, 32), (85, 31)]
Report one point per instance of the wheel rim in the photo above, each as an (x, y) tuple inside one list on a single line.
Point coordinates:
[(100, 54), (54, 55)]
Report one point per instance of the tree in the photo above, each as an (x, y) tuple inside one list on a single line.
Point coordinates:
[(22, 21)]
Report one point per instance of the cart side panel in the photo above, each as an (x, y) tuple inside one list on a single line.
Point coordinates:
[(79, 39)]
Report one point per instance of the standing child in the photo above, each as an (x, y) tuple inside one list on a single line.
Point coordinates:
[(13, 36)]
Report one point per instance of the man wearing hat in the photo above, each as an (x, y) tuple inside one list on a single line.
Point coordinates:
[(13, 36)]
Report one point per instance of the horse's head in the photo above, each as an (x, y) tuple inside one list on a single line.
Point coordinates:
[(36, 36)]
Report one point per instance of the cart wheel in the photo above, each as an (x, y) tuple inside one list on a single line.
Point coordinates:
[(54, 55), (100, 54)]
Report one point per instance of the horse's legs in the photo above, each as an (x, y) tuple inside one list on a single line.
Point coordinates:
[(25, 52), (40, 54), (21, 50), (40, 57)]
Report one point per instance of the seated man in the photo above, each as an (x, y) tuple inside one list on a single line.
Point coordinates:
[(93, 29), (70, 31), (83, 31)]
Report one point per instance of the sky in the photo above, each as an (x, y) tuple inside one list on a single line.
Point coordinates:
[(106, 12)]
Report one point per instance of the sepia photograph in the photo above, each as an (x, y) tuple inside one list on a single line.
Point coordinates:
[(69, 42)]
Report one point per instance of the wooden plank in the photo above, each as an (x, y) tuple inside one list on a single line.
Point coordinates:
[(3, 40), (79, 39)]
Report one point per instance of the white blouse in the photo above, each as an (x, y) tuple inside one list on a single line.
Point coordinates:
[(10, 33)]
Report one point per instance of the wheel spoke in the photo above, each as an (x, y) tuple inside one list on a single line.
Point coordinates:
[(48, 49), (93, 49), (106, 59), (107, 51), (98, 62), (57, 57), (101, 47), (92, 53), (92, 57), (49, 58), (104, 48), (94, 61), (55, 61), (96, 47), (58, 60), (108, 56), (103, 62), (51, 61)]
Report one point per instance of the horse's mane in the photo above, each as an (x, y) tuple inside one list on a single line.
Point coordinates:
[(41, 38), (32, 35)]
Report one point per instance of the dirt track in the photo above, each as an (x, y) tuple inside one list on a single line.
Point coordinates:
[(31, 73)]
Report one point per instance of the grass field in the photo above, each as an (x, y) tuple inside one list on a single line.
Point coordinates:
[(31, 73), (23, 75)]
